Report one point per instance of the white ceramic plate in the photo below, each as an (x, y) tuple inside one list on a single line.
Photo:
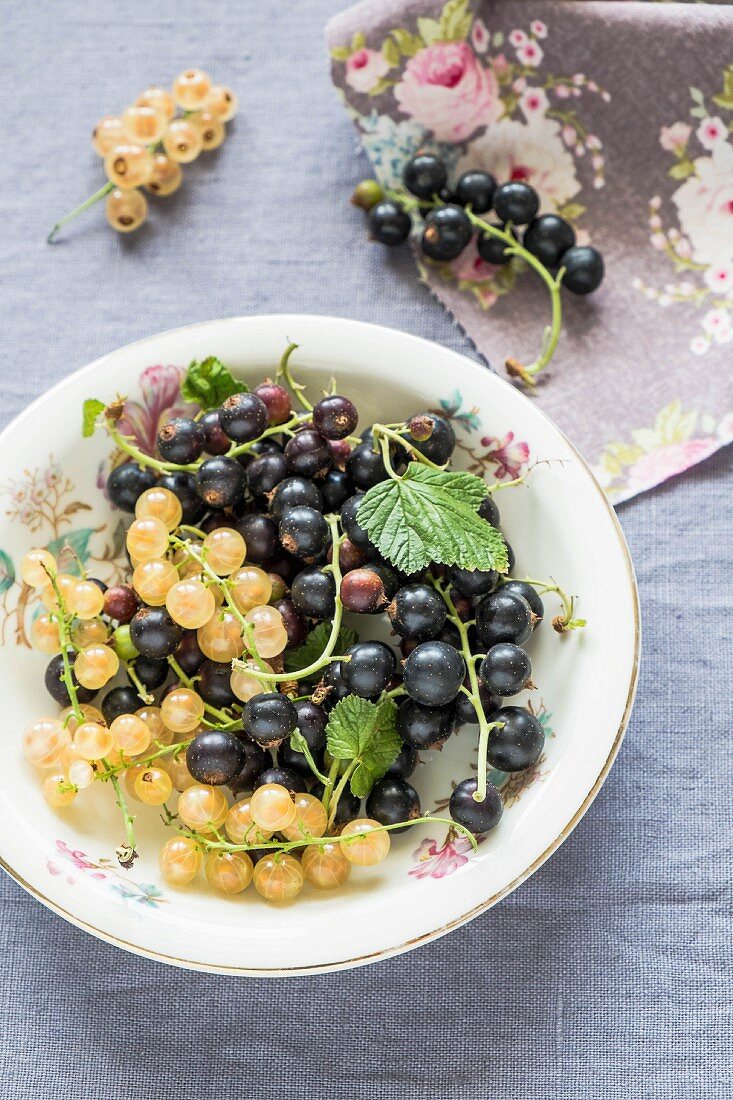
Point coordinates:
[(560, 525)]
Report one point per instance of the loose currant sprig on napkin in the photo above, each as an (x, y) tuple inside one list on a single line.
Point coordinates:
[(145, 146), (451, 218)]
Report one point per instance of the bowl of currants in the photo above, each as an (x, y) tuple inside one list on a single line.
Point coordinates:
[(317, 641)]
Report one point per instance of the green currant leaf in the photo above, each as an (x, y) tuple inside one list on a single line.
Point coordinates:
[(314, 645), (366, 732), (209, 382), (90, 412), (431, 515)]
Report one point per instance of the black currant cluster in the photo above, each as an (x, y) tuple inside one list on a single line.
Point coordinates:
[(256, 467), (448, 229)]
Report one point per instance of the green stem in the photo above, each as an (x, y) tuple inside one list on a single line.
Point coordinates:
[(564, 622), (340, 790), (64, 619), (95, 198), (142, 691), (312, 841), (140, 457), (126, 853), (327, 655), (552, 331), (221, 715), (296, 388), (113, 770), (384, 431), (474, 693), (333, 773)]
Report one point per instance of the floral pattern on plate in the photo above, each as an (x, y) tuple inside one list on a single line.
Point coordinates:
[(73, 863)]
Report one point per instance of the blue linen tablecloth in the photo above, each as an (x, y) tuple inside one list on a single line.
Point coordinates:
[(608, 973)]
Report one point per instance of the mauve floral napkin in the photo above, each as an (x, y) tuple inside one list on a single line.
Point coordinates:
[(620, 115)]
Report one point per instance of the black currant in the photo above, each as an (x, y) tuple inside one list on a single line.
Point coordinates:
[(126, 483), (314, 594), (518, 743), (425, 175), (447, 231), (473, 582), (392, 801), (505, 669), (356, 533), (217, 442), (188, 655), (304, 532), (516, 202), (294, 623), (365, 467), (120, 700), (370, 668), (336, 487), (295, 761), (584, 269), (333, 679), (285, 777), (489, 511), (493, 250), (465, 710), (312, 721), (389, 224), (404, 765), (529, 592), (476, 189), (151, 672), (216, 757), (417, 611), (256, 760), (243, 417), (477, 817), (335, 417), (441, 442), (363, 591), (214, 685), (181, 440), (154, 633), (433, 673), (121, 602), (268, 718), (183, 485), (503, 617), (265, 472), (260, 535), (57, 688), (308, 454), (425, 727), (277, 400), (547, 237), (293, 492), (220, 481)]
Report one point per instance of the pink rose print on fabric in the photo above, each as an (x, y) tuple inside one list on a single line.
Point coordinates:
[(446, 89), (705, 205), (479, 36), (665, 462), (674, 137), (365, 68)]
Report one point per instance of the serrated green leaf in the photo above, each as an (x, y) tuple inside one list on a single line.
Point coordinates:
[(314, 645), (209, 382), (431, 515), (90, 410), (455, 20), (429, 30), (390, 52), (408, 44), (365, 732), (341, 53)]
